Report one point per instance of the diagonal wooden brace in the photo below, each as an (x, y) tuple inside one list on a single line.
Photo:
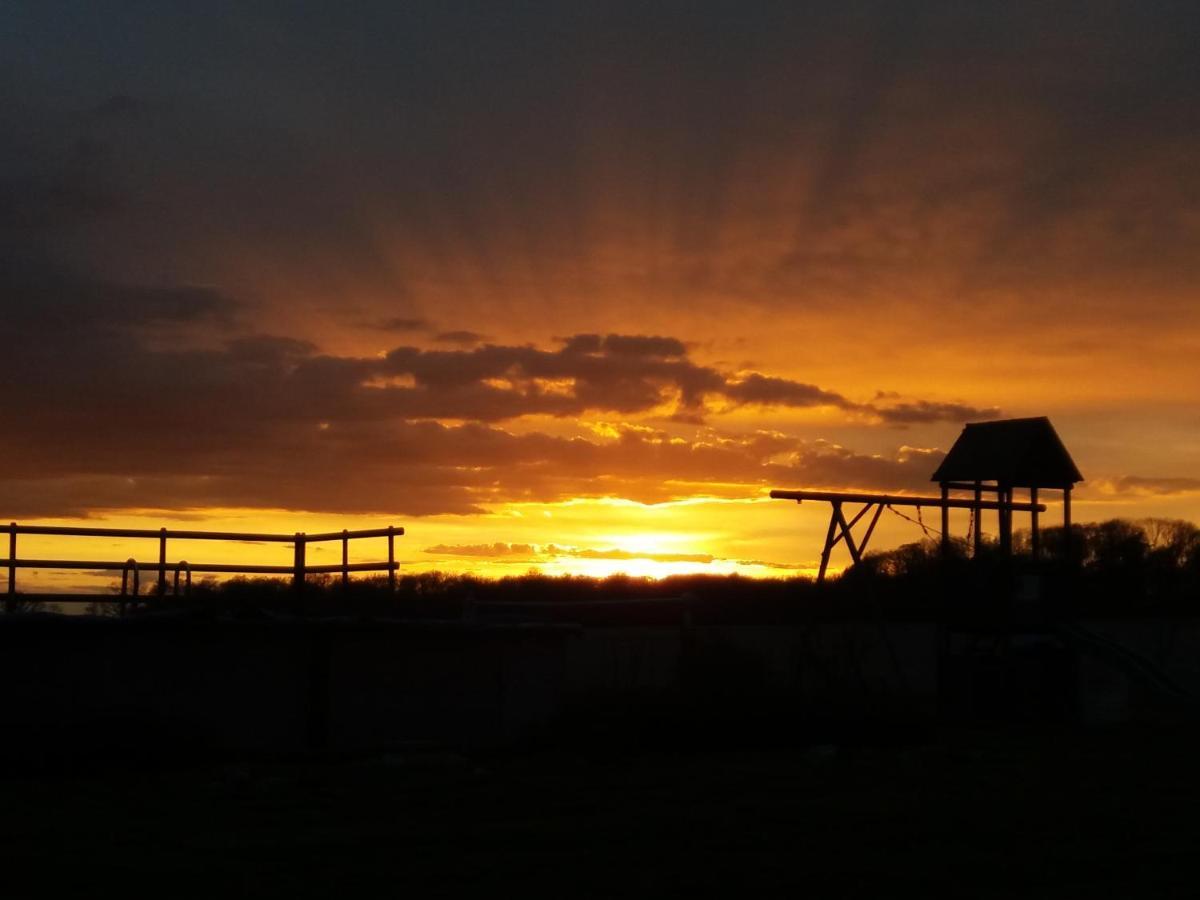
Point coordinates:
[(842, 530)]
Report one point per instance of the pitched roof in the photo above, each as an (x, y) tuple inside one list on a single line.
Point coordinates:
[(1015, 452)]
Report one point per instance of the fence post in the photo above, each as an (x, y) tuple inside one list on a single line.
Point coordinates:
[(162, 563), (345, 559), (298, 566), (182, 565), (392, 558), (10, 605), (130, 565)]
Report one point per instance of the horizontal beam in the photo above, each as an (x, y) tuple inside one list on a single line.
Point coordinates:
[(366, 533), (893, 500), (109, 566), (69, 530), (993, 488), (75, 598), (971, 486)]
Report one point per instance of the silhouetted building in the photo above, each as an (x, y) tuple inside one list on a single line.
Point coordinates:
[(998, 457)]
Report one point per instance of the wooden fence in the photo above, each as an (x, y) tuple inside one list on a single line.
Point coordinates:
[(130, 569)]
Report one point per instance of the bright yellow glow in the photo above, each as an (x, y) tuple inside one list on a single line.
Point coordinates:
[(755, 537), (573, 537)]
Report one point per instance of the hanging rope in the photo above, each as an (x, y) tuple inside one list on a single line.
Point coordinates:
[(929, 532), (971, 527)]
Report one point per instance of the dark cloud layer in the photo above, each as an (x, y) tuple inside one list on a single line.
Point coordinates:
[(127, 396), (430, 468), (701, 155), (107, 410), (202, 208)]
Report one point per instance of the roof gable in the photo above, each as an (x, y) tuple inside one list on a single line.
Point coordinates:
[(1014, 452)]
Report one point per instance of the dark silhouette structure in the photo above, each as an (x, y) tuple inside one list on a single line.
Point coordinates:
[(988, 458), (130, 569), (999, 457)]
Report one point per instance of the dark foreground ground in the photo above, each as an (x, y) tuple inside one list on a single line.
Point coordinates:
[(964, 814)]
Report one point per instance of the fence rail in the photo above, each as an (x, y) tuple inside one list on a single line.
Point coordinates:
[(130, 568)]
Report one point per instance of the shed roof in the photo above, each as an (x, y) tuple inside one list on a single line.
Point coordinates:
[(1014, 452)]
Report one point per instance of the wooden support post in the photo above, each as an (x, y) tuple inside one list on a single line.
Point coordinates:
[(1035, 537), (345, 559), (161, 588), (833, 517), (1005, 512), (10, 605), (945, 522), (1000, 521), (298, 565), (977, 529), (391, 558), (1068, 537), (130, 566)]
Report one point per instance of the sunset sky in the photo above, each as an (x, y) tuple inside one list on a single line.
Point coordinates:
[(573, 285)]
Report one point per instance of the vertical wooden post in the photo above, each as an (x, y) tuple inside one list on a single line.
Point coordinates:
[(298, 564), (1011, 497), (130, 566), (1035, 537), (833, 516), (977, 529), (162, 562), (945, 521), (10, 605), (345, 559), (392, 558), (1005, 513), (1068, 537)]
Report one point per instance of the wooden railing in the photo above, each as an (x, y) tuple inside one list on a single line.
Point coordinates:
[(130, 569)]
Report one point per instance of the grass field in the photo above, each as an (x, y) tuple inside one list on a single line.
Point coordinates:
[(966, 814)]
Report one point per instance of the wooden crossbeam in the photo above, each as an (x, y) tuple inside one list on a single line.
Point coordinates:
[(903, 500)]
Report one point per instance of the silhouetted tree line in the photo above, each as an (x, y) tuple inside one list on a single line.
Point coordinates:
[(446, 596), (1118, 566)]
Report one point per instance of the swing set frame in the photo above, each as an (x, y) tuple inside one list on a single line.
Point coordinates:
[(842, 529)]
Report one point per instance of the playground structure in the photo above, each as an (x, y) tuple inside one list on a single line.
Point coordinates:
[(988, 458)]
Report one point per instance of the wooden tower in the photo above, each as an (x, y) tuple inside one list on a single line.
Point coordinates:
[(1005, 455)]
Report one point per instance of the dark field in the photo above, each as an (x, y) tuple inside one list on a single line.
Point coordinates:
[(731, 797), (1065, 814)]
